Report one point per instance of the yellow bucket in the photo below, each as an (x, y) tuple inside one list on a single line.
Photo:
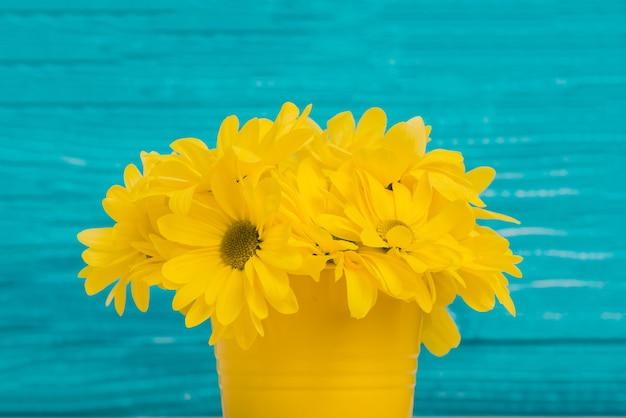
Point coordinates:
[(321, 363)]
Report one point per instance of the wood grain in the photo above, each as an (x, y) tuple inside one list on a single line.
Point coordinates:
[(536, 89)]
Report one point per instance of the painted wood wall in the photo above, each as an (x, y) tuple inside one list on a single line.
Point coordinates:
[(534, 88)]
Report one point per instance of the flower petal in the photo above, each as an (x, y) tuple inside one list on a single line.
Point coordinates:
[(287, 261), (267, 196), (227, 132), (341, 129), (98, 278), (188, 293), (487, 214), (275, 238), (119, 292), (180, 201), (216, 283), (286, 306), (439, 332), (339, 226), (275, 282), (97, 238), (399, 236), (231, 300), (245, 330), (256, 301), (370, 237), (504, 297), (99, 258), (371, 126), (192, 266), (131, 175), (480, 177), (140, 292), (478, 294), (198, 313), (227, 188), (362, 292), (188, 231)]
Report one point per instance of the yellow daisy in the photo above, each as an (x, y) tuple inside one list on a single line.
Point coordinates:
[(261, 143), (400, 238), (398, 154), (385, 155), (305, 195), (479, 281), (179, 175), (404, 206), (239, 258), (132, 251)]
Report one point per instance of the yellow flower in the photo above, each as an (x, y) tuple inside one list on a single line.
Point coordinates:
[(398, 154), (229, 229), (179, 175), (261, 143), (131, 252), (239, 258), (492, 256), (403, 207), (306, 195), (479, 281), (384, 155), (399, 239)]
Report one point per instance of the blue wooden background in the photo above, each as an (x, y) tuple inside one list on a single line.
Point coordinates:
[(535, 88)]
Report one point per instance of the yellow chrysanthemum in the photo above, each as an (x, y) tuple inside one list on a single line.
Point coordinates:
[(399, 238), (179, 175), (479, 281), (306, 195), (130, 252), (386, 155), (261, 143), (239, 257), (405, 206), (398, 154)]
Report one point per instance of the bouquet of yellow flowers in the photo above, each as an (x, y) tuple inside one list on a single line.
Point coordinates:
[(232, 229)]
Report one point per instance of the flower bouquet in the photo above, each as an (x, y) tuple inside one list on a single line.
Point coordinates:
[(322, 258)]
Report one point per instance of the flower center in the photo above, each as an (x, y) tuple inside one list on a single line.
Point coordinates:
[(239, 243), (385, 226), (395, 233)]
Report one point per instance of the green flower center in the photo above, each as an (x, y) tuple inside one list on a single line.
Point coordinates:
[(395, 233), (239, 243)]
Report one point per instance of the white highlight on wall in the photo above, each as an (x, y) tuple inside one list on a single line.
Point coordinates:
[(612, 316), (575, 255), (531, 230), (74, 161), (163, 340), (563, 191), (552, 316), (557, 283)]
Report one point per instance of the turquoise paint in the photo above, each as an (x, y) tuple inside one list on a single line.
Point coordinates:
[(534, 88)]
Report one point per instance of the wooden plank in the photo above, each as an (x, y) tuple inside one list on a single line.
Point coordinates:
[(73, 6), (534, 88), (138, 58), (559, 378)]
